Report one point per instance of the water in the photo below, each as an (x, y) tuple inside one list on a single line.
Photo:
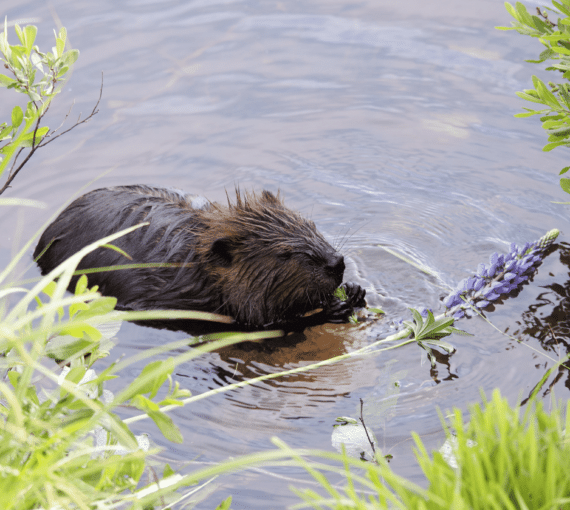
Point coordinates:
[(388, 124)]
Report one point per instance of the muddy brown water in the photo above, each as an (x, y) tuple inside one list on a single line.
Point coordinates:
[(387, 123)]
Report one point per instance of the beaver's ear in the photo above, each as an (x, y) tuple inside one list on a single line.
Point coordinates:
[(270, 198), (221, 253)]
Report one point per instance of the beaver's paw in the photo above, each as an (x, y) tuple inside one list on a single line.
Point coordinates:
[(354, 294), (340, 311)]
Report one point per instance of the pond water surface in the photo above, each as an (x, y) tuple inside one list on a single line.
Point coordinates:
[(388, 123)]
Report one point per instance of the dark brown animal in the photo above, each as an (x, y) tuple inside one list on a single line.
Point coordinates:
[(255, 260)]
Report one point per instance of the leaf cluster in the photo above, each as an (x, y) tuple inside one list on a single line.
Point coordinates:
[(36, 74), (40, 76), (555, 97), (430, 331), (51, 421)]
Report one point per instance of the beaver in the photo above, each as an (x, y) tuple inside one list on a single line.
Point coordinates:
[(254, 260)]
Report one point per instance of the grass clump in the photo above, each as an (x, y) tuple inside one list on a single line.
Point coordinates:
[(502, 459)]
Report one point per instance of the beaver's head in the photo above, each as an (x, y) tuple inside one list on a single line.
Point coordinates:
[(269, 263)]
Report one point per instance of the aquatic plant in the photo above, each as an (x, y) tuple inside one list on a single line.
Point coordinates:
[(504, 274)]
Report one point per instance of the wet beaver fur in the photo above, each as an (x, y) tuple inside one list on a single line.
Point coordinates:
[(254, 260)]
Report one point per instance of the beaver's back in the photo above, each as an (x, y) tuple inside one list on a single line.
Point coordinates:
[(168, 239)]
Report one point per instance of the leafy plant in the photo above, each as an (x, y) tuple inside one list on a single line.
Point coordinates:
[(431, 331), (555, 97), (499, 460), (40, 76), (62, 445)]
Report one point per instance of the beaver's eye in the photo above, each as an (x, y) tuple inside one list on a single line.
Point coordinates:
[(285, 255)]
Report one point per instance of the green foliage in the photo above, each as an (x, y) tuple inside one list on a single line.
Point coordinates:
[(47, 432), (502, 461), (40, 77), (505, 460), (61, 443), (555, 97), (226, 504), (431, 331)]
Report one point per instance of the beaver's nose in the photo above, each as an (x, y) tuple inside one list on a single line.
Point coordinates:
[(335, 265)]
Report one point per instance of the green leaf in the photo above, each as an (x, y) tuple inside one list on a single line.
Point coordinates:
[(168, 471), (340, 293), (561, 8), (551, 117), (563, 132), (17, 116), (20, 34), (528, 97), (563, 91), (80, 329), (545, 94), (546, 54), (60, 41), (70, 57), (549, 146), (527, 114), (27, 140), (565, 184), (560, 49), (4, 132), (75, 374), (155, 378), (557, 36), (226, 504), (64, 347), (49, 289), (170, 402), (33, 95), (14, 378), (564, 170), (117, 249), (81, 285), (552, 123), (76, 307), (37, 62), (99, 306), (62, 72), (523, 14), (511, 10), (5, 81), (166, 426), (30, 36), (162, 420)]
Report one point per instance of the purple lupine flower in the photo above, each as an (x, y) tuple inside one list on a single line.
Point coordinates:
[(504, 274), (492, 271), (479, 284), (452, 300), (510, 265), (424, 311)]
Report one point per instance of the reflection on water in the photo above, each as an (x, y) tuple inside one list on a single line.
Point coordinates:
[(387, 124)]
